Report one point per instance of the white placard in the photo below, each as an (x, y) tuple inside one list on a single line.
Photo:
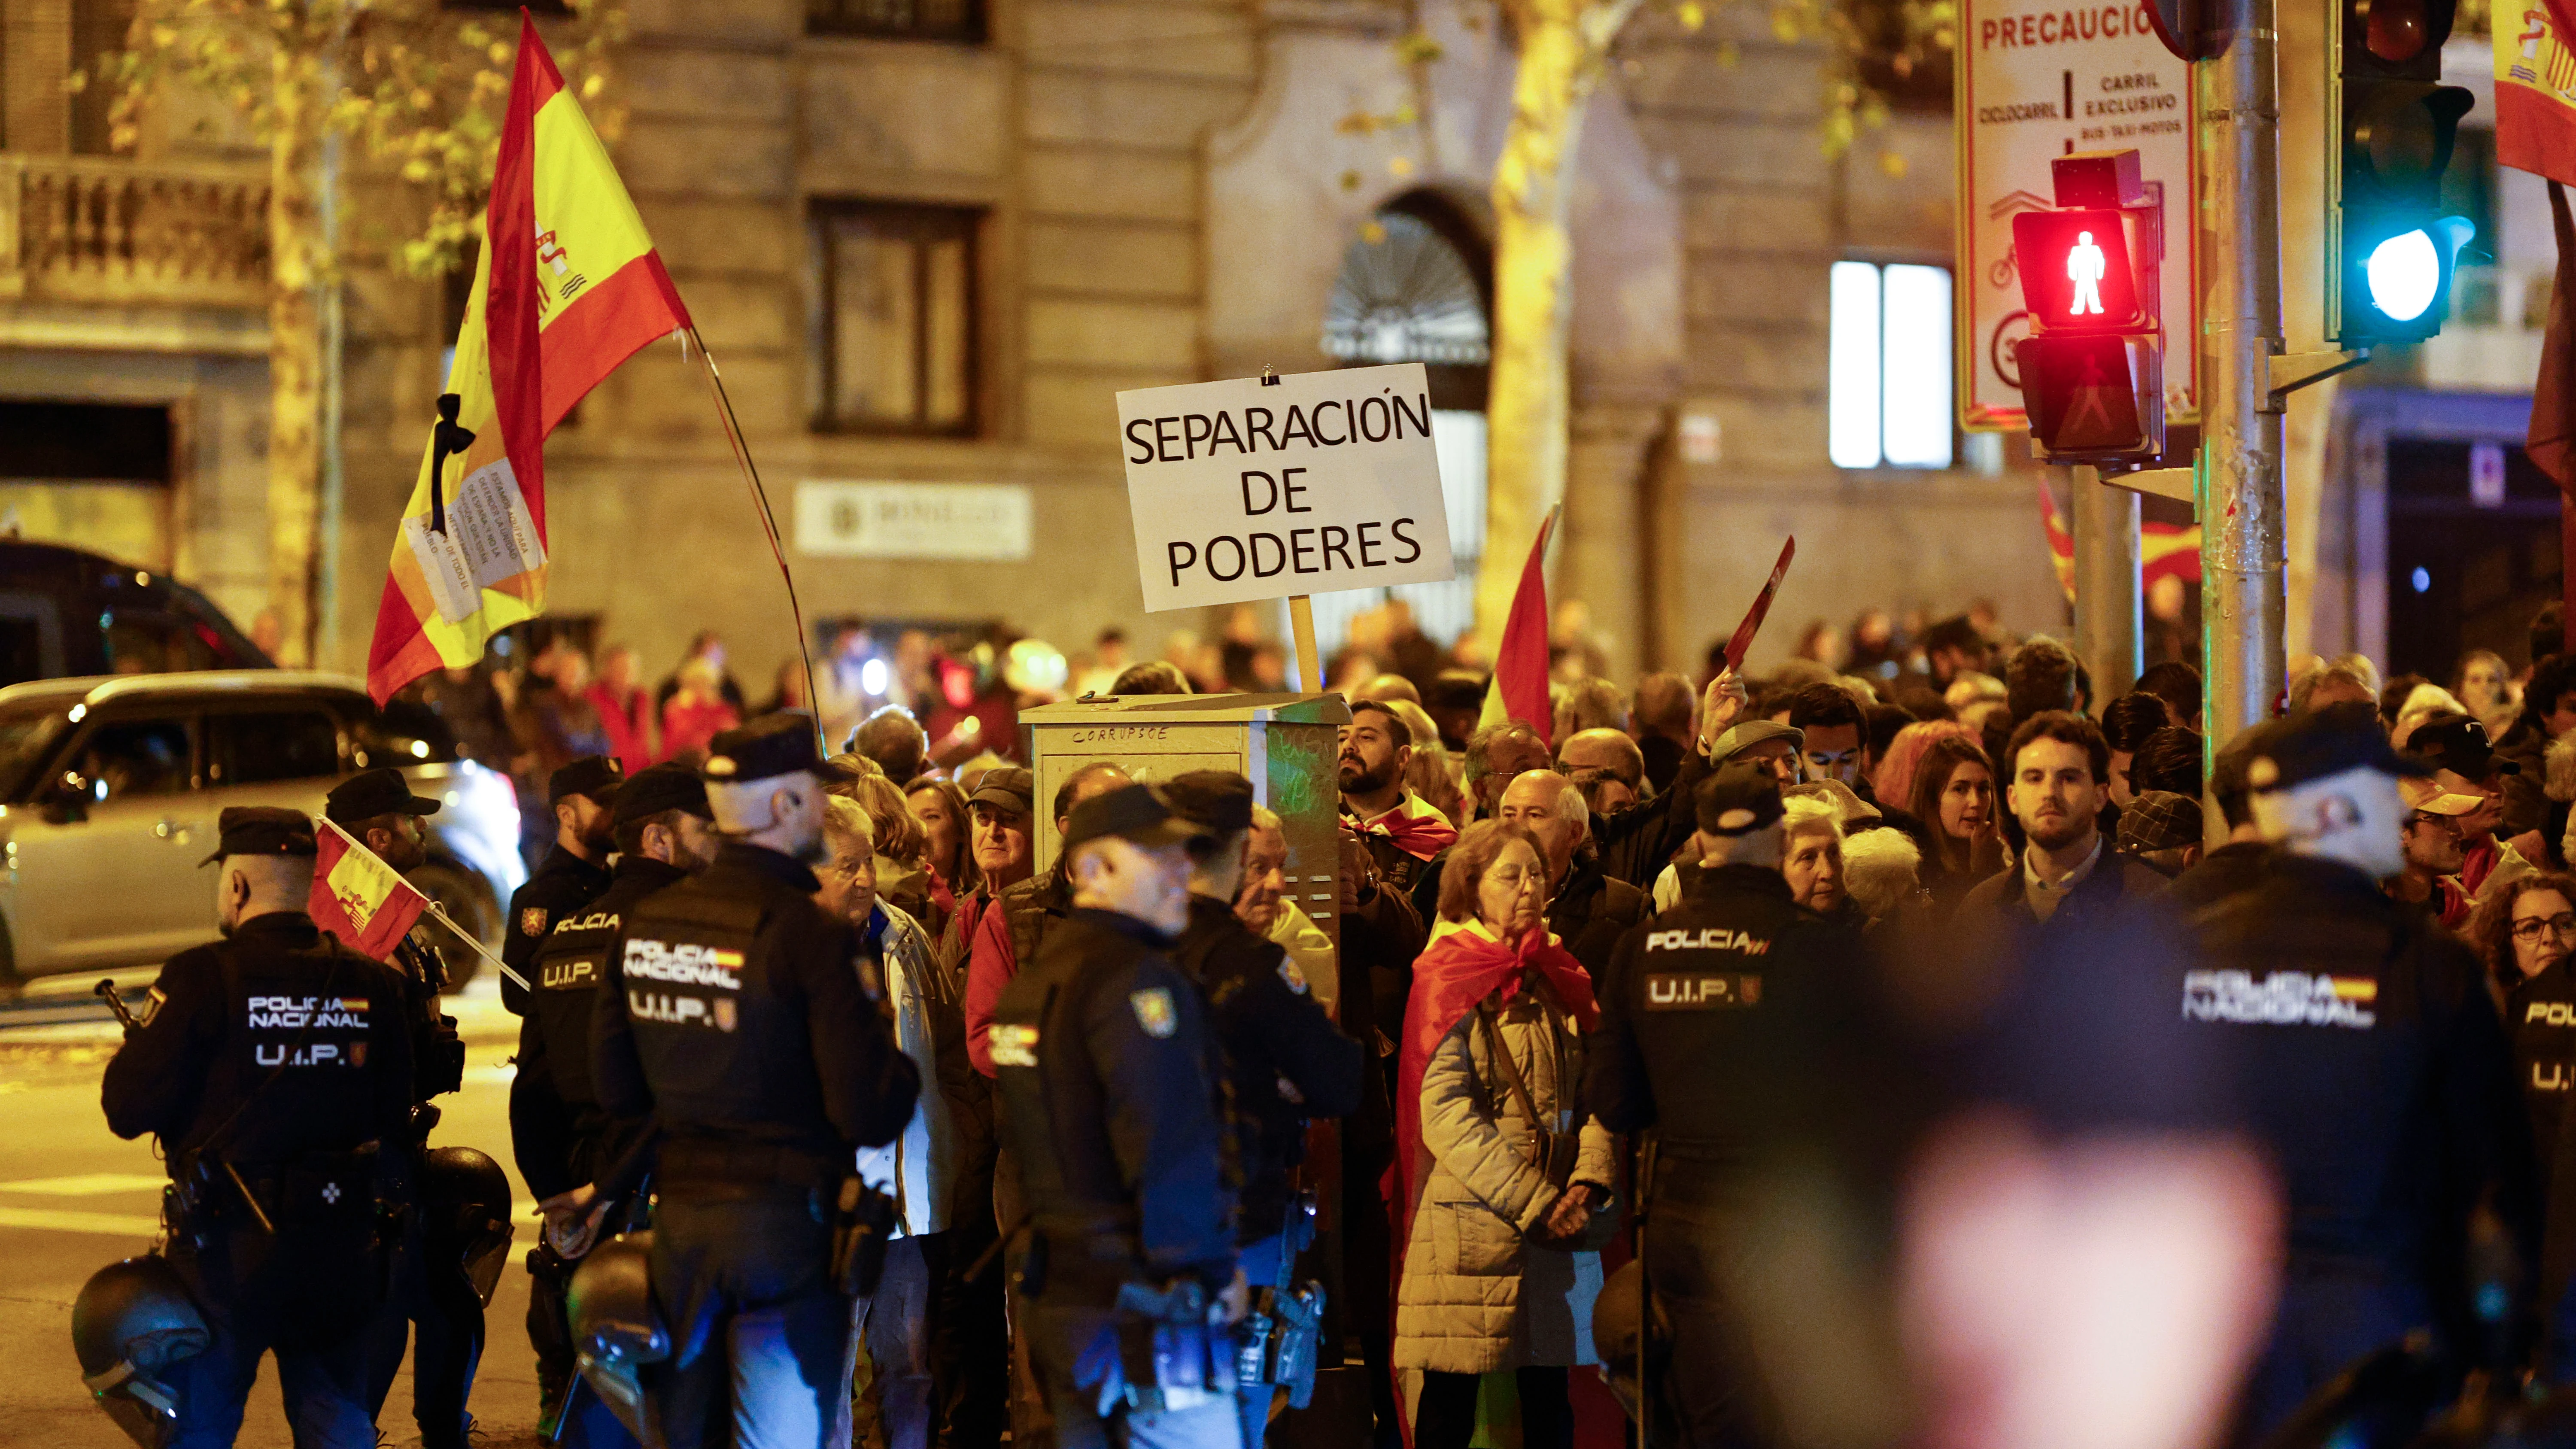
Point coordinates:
[(490, 537), (987, 522), (2037, 80), (1321, 481)]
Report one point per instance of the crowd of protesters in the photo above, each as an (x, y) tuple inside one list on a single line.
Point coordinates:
[(2026, 867)]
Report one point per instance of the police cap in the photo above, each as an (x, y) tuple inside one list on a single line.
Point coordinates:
[(770, 746), (1220, 801), (2324, 743), (666, 786), (262, 830), (596, 776), (1007, 787), (370, 793), (1738, 798), (1133, 813)]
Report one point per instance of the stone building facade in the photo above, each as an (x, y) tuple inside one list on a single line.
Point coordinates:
[(928, 244)]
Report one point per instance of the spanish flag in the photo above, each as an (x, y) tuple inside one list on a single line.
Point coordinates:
[(359, 898), (567, 286), (2163, 548), (1518, 690)]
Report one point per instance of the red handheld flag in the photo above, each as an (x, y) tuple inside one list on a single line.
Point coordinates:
[(359, 898), (1753, 617), (1518, 690)]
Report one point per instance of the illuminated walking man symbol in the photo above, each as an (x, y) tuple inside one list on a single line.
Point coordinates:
[(2085, 265)]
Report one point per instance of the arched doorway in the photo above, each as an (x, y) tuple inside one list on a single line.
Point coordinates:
[(1416, 285)]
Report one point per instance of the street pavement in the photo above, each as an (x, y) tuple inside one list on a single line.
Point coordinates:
[(73, 1198)]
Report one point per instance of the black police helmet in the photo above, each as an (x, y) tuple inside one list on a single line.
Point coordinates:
[(465, 1203), (615, 1329), (133, 1321)]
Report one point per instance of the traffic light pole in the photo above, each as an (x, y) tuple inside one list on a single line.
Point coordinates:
[(2243, 554), (2107, 624)]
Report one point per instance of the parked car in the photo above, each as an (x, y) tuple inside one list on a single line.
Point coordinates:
[(65, 612), (110, 789)]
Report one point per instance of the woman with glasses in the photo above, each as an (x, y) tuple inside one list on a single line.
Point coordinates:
[(1504, 1177), (2524, 932)]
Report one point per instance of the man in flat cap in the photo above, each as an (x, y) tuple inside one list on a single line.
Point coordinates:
[(736, 1012), (377, 809), (2374, 1067), (1107, 1074), (565, 1142), (582, 796), (264, 1063)]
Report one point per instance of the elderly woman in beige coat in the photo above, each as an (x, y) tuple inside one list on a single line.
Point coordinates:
[(1506, 1177)]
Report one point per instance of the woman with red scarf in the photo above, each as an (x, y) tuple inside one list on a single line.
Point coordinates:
[(1503, 1180)]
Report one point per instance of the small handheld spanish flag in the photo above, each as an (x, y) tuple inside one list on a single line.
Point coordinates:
[(359, 898)]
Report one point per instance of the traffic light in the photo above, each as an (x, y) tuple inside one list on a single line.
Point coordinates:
[(2092, 368), (2392, 252)]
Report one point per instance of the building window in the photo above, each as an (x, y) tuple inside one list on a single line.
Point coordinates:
[(961, 21), (1888, 367), (893, 331)]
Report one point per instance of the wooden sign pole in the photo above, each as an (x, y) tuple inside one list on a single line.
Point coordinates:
[(1301, 621)]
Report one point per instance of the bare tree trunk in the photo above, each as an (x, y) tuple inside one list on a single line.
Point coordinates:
[(1563, 47), (294, 356)]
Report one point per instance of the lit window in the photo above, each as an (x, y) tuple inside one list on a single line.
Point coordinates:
[(893, 334), (1888, 367)]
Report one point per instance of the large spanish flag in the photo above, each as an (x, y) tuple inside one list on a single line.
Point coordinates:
[(567, 286)]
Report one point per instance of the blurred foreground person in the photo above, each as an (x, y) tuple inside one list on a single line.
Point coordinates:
[(736, 1012), (1107, 1075), (2376, 1070)]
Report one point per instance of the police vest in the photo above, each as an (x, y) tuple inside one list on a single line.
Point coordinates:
[(294, 1061), (709, 1024), (564, 979)]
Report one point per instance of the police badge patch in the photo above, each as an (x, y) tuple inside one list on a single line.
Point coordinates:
[(532, 921), (1154, 1012), (1289, 973), (725, 1017)]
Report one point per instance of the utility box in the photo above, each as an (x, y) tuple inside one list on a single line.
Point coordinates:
[(1287, 745)]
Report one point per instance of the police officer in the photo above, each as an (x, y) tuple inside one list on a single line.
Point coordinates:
[(564, 1140), (1107, 1075), (2376, 1069), (583, 797), (1285, 1060), (271, 1066), (1707, 1012), (430, 1287), (736, 1012)]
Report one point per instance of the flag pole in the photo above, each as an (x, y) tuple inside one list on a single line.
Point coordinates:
[(429, 907), (768, 523), (1301, 622)]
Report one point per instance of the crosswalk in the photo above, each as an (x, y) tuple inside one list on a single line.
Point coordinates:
[(16, 1214)]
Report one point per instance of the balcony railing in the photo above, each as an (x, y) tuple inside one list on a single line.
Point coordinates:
[(103, 229)]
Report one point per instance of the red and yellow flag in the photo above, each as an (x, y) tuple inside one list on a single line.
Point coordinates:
[(567, 286), (2163, 548), (359, 898), (1518, 690)]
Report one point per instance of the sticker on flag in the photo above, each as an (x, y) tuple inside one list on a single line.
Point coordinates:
[(490, 539)]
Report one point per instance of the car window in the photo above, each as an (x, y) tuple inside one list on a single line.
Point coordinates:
[(27, 735), (284, 744), (405, 732), (120, 759)]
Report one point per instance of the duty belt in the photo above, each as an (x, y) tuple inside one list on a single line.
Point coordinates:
[(686, 1160)]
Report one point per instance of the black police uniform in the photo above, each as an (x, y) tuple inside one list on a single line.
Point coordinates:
[(1107, 1070), (735, 1013), (562, 883), (561, 1136), (431, 1292), (2540, 1016), (2380, 1077), (1711, 1013), (279, 1057)]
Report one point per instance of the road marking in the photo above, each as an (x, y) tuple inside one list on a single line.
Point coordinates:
[(89, 1184), (64, 1220)]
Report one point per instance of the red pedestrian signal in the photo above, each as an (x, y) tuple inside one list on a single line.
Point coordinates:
[(2076, 274)]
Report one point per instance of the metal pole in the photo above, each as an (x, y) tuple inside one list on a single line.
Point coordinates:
[(2108, 624), (2243, 557)]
